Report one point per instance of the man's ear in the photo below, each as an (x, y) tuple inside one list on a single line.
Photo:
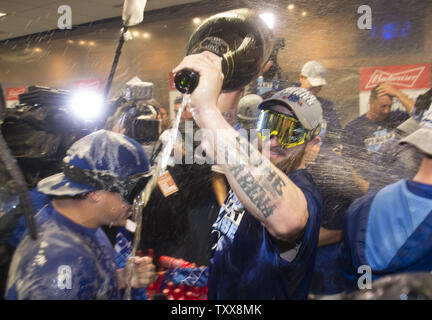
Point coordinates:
[(313, 144), (312, 149), (302, 79)]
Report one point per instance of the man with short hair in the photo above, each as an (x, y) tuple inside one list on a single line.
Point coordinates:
[(399, 161), (312, 77), (390, 230), (72, 257), (362, 137), (266, 234)]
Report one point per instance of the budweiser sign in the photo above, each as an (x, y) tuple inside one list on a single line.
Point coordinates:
[(12, 94), (91, 84), (402, 77)]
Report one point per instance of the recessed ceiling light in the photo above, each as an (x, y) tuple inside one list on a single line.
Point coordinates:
[(290, 6), (2, 14), (304, 13), (196, 20)]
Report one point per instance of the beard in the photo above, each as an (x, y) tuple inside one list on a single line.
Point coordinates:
[(292, 159)]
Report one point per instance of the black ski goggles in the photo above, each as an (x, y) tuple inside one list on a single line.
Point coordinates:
[(128, 188), (288, 130)]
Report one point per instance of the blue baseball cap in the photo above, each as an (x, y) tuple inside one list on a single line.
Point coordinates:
[(101, 160)]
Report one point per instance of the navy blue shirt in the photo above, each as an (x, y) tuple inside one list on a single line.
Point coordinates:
[(246, 262), (330, 127), (338, 191), (390, 231), (67, 261), (362, 137)]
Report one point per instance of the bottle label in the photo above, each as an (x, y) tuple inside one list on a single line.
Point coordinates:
[(213, 44)]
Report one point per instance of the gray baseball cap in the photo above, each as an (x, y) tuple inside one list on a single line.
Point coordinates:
[(301, 101), (409, 126), (422, 137), (247, 108)]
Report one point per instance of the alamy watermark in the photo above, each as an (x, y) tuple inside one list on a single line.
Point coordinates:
[(221, 147), (365, 20), (65, 20), (64, 277), (365, 280)]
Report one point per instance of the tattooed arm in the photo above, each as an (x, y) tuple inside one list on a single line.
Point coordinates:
[(265, 191)]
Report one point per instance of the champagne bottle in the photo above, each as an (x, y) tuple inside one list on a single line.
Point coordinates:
[(240, 37)]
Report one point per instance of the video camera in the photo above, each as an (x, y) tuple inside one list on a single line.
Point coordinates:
[(275, 69)]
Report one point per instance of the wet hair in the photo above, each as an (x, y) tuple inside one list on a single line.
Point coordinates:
[(374, 94)]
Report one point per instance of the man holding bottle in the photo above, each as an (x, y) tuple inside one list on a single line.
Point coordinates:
[(266, 234)]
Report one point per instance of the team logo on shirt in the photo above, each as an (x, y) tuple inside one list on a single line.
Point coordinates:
[(380, 136), (230, 216)]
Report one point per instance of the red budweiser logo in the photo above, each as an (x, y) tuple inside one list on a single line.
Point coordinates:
[(407, 78), (13, 93)]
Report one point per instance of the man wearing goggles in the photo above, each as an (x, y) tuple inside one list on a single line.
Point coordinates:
[(288, 135), (72, 257), (266, 234)]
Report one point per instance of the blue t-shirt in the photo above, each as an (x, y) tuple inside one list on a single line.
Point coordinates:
[(394, 162), (67, 261), (246, 262), (362, 137), (390, 231)]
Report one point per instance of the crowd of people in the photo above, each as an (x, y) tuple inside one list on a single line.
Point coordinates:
[(304, 206)]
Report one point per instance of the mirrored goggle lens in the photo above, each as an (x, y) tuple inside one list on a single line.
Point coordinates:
[(133, 187), (288, 130)]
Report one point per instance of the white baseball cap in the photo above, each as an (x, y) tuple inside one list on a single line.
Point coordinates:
[(315, 72)]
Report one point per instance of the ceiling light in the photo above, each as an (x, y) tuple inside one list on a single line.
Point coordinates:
[(304, 13), (91, 43), (290, 6), (268, 19), (135, 33), (82, 42), (2, 14), (146, 35), (196, 20)]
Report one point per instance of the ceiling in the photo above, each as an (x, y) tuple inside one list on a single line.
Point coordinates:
[(33, 16)]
